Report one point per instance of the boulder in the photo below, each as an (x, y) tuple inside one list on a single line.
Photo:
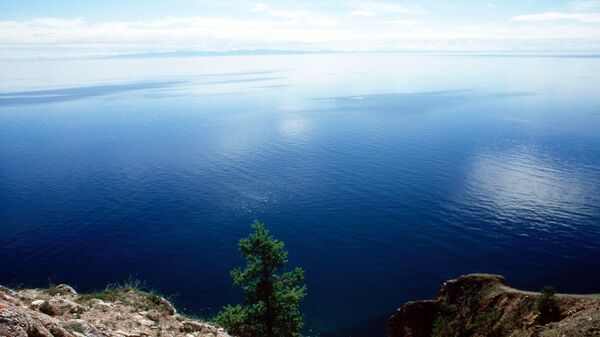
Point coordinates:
[(193, 326), (83, 327), (19, 321), (65, 290), (146, 322), (36, 304), (99, 304)]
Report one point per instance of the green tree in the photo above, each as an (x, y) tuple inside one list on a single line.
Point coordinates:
[(547, 305), (271, 298)]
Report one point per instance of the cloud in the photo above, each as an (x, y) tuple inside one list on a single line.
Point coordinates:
[(57, 22), (259, 8), (288, 29), (308, 17), (362, 13), (558, 16), (280, 13), (401, 23), (57, 37), (385, 7), (584, 5)]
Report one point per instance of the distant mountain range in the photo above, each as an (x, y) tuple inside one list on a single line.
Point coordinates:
[(246, 52)]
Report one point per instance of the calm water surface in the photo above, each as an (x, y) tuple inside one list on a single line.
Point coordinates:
[(384, 174)]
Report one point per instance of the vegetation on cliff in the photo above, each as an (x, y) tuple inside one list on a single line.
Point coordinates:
[(118, 311), (270, 307), (546, 305), (271, 298), (483, 305)]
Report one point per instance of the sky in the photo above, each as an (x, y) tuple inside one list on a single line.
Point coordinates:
[(33, 29)]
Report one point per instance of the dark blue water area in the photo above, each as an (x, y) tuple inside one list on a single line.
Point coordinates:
[(384, 175)]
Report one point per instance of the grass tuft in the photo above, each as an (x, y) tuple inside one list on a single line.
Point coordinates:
[(48, 309)]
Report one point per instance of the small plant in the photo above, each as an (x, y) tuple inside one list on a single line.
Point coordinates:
[(77, 329), (154, 298), (77, 311), (114, 291), (48, 309), (108, 295), (547, 306)]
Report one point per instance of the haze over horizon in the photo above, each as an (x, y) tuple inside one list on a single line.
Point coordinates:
[(69, 28)]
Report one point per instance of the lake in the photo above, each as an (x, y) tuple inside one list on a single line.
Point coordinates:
[(384, 174)]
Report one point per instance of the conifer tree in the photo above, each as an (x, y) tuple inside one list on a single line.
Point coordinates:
[(271, 298)]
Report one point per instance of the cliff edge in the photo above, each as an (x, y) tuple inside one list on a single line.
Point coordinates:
[(116, 312), (483, 305)]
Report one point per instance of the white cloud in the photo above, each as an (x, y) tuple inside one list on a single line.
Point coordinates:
[(558, 16), (385, 7), (308, 17), (278, 29), (584, 5), (362, 13), (259, 8), (401, 23), (57, 22), (51, 37), (280, 13)]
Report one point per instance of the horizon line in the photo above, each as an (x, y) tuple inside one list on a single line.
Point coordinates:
[(283, 52)]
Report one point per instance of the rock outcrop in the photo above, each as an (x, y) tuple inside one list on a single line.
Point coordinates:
[(116, 312), (480, 305)]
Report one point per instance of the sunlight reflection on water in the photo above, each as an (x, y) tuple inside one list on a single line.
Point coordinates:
[(521, 182)]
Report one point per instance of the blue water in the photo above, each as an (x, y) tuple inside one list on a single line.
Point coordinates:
[(385, 174)]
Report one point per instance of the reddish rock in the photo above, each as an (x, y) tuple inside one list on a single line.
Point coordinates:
[(415, 319), (481, 305)]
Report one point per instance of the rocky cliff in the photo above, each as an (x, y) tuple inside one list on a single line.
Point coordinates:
[(475, 305), (117, 312), (483, 305)]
